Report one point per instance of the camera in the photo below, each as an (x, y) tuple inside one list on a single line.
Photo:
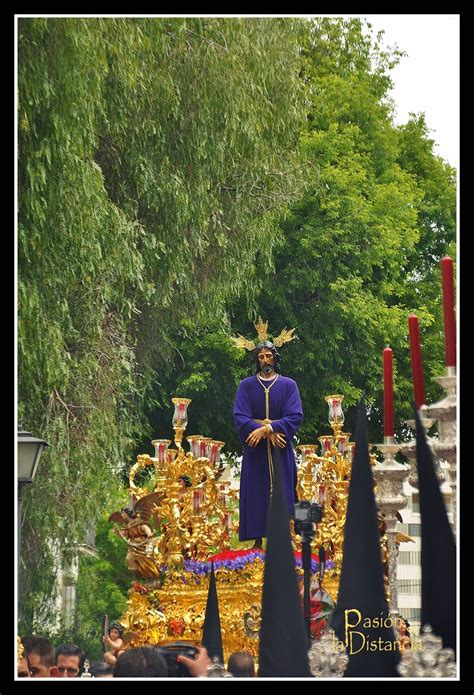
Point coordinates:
[(308, 511), (305, 515), (170, 651)]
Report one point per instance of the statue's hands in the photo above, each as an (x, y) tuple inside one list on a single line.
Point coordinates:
[(278, 439), (257, 435)]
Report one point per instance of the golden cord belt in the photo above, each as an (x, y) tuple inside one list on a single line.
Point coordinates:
[(265, 422)]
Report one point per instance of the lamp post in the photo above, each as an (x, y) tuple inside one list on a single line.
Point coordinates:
[(29, 454)]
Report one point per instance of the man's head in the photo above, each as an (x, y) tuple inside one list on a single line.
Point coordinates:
[(40, 654), (69, 660), (266, 356), (241, 665), (24, 668), (143, 662)]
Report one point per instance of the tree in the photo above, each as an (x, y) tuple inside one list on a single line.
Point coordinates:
[(208, 370), (101, 590), (360, 250), (153, 154)]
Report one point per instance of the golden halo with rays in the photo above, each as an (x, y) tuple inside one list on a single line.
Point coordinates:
[(286, 335)]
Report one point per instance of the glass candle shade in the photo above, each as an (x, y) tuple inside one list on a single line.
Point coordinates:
[(321, 495), (305, 450), (202, 448), (193, 446), (336, 416), (342, 441), (171, 455), (180, 415), (214, 451), (326, 444), (350, 451), (161, 446)]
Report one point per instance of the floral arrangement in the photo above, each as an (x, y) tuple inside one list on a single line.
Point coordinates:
[(139, 588), (236, 560), (176, 627)]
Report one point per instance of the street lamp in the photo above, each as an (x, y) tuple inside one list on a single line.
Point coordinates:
[(29, 454)]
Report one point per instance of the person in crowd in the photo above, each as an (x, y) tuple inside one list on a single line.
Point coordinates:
[(241, 665), (40, 654), (142, 662), (23, 668), (69, 660), (99, 669)]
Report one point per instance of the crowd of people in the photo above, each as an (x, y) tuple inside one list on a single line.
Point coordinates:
[(41, 660)]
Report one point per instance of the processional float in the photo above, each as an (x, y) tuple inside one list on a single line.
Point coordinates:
[(191, 517)]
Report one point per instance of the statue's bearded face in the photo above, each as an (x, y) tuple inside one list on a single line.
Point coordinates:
[(266, 360)]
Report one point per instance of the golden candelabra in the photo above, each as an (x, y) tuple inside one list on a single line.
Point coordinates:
[(194, 513), (324, 478)]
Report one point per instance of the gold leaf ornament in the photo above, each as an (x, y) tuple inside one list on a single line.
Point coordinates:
[(242, 342), (261, 327), (285, 337)]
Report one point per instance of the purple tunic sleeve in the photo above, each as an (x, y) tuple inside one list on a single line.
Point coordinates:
[(243, 419), (292, 415)]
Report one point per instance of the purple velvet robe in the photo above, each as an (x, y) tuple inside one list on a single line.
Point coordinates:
[(286, 414)]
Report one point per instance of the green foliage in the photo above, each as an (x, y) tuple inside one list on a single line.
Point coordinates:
[(361, 249), (155, 155), (206, 160), (208, 370), (101, 589)]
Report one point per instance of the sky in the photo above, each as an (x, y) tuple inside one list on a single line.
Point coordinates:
[(427, 79)]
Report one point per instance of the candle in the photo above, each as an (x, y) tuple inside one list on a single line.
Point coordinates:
[(416, 365), (448, 308), (388, 428)]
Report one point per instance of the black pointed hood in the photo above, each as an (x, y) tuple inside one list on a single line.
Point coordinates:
[(283, 650), (361, 600)]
